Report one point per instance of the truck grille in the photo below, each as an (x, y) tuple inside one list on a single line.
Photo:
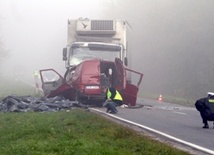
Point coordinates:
[(102, 25)]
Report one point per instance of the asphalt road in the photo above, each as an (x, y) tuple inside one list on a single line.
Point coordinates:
[(176, 122)]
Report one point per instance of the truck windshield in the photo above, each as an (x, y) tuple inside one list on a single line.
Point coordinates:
[(79, 54)]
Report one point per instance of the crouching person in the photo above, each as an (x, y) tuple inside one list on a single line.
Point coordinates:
[(206, 108), (113, 99)]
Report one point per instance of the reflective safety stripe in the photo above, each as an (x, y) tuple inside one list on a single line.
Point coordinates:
[(36, 73), (211, 100), (108, 94), (117, 96)]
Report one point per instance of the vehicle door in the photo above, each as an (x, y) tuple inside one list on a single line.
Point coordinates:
[(51, 80), (131, 91), (121, 74)]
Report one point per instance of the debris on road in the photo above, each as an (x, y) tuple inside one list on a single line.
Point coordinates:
[(35, 104)]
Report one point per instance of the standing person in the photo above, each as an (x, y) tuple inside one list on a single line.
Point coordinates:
[(113, 99), (206, 108), (36, 78)]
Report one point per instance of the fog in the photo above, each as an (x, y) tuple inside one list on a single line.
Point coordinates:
[(172, 40), (35, 32)]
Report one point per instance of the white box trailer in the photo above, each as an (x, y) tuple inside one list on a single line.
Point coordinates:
[(103, 39)]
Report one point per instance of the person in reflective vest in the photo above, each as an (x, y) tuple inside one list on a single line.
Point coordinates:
[(36, 78), (206, 108), (113, 99)]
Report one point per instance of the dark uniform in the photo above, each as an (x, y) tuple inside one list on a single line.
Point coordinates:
[(113, 99), (206, 108)]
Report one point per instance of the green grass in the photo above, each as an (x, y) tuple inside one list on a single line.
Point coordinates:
[(76, 132)]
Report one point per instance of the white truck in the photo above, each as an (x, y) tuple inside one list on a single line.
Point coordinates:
[(102, 39)]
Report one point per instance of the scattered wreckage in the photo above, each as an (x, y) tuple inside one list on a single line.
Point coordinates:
[(35, 104)]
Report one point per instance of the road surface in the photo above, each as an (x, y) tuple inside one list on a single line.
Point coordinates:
[(175, 122)]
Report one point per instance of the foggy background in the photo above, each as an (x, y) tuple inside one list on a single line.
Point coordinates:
[(172, 40)]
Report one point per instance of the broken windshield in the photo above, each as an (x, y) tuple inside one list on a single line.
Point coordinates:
[(85, 53)]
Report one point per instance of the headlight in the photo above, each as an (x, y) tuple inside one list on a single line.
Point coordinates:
[(92, 87)]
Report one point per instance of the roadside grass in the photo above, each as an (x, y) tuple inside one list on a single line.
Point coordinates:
[(77, 132)]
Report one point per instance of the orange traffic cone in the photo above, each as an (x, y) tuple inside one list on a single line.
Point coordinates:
[(160, 98)]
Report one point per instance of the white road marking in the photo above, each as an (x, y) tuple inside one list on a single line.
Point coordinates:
[(179, 112), (158, 132), (173, 108)]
